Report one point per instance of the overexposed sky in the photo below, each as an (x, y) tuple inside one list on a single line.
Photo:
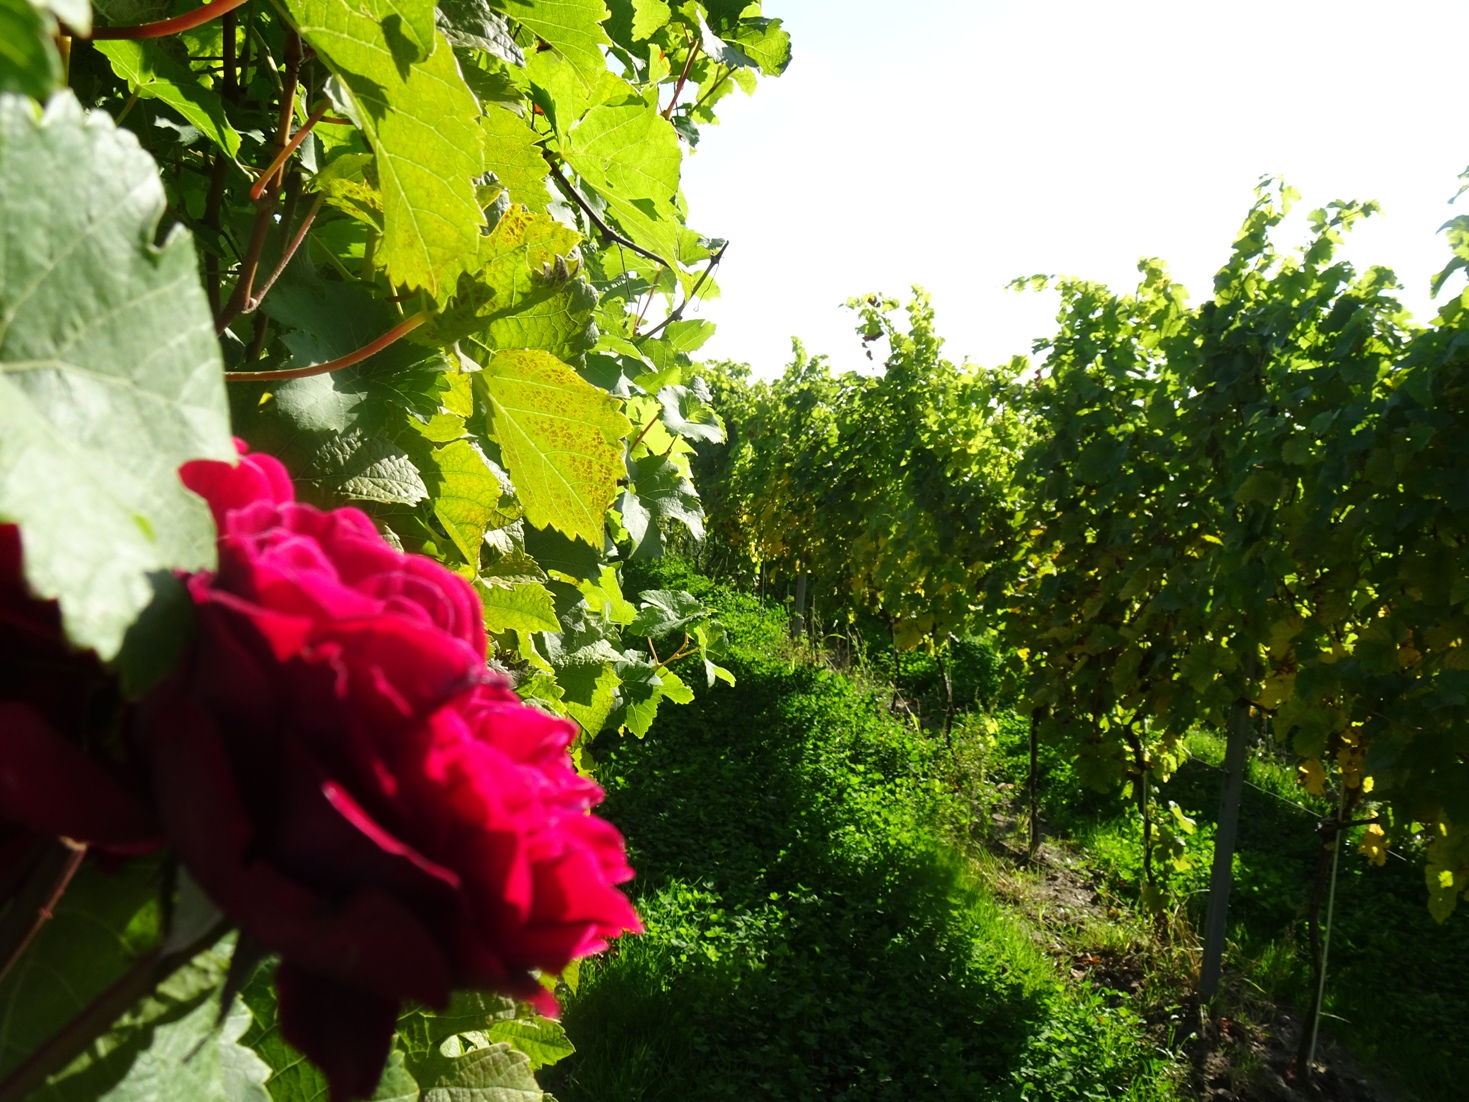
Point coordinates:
[(961, 144)]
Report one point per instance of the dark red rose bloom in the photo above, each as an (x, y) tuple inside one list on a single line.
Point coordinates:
[(56, 705), (338, 768)]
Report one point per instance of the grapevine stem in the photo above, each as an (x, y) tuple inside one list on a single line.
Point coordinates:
[(259, 296), (402, 329), (682, 77), (639, 438), (74, 853), (684, 305), (607, 231), (62, 1047), (186, 22), (290, 147)]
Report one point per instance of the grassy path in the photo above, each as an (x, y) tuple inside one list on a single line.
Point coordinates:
[(810, 932)]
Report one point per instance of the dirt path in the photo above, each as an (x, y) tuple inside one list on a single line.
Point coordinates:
[(1244, 1054)]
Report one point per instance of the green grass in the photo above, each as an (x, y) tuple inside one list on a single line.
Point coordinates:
[(810, 934)]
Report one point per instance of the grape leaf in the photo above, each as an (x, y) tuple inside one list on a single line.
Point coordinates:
[(629, 155), (541, 1039), (29, 63), (467, 495), (648, 17), (572, 28), (152, 74), (422, 122), (559, 437), (96, 413), (512, 154), (103, 924), (526, 607), (527, 294)]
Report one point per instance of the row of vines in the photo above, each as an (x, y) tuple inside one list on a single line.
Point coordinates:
[(1250, 514), (343, 359)]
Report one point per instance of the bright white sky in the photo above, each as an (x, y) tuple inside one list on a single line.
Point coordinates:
[(960, 144)]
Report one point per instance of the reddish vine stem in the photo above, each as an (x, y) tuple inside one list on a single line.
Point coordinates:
[(265, 212), (163, 27), (682, 78), (639, 438), (290, 147), (398, 331), (76, 852), (63, 1046), (295, 243)]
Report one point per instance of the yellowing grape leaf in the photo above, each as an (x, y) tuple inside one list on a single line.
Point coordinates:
[(1374, 844), (422, 122), (560, 439), (110, 374), (467, 496), (1312, 776)]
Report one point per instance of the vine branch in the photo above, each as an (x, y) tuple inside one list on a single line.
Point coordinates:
[(607, 231), (398, 331), (162, 27), (677, 314)]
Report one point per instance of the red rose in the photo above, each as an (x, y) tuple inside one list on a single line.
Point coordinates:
[(54, 703), (341, 772)]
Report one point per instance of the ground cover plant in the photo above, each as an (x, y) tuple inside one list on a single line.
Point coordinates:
[(810, 930)]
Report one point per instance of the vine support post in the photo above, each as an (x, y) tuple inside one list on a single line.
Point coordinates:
[(798, 616), (1033, 785), (1222, 873), (1321, 942)]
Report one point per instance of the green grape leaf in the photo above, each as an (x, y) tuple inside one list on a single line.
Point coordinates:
[(666, 611), (765, 42), (96, 414), (571, 557), (559, 437), (630, 156), (166, 1049), (103, 925), (475, 24), (648, 17), (152, 74), (572, 28), (526, 607), (496, 1073), (640, 692), (513, 155), (29, 63), (397, 1084), (687, 411), (662, 491), (364, 467), (422, 122), (543, 1041)]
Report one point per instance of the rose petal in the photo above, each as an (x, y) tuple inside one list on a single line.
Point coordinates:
[(49, 784), (370, 941), (342, 1031)]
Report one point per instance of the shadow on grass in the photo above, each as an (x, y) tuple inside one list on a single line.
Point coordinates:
[(808, 936)]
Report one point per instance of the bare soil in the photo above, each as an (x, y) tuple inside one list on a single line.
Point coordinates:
[(1247, 1057)]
